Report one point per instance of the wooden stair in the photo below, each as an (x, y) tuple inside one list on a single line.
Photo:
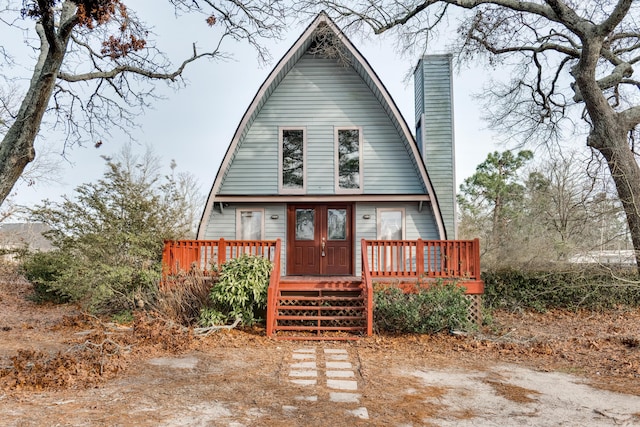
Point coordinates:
[(320, 308)]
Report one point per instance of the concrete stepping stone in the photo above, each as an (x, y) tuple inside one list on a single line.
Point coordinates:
[(303, 356), (335, 351), (304, 365), (339, 365), (344, 397), (342, 384), (340, 374), (306, 373), (337, 357), (361, 413), (307, 398)]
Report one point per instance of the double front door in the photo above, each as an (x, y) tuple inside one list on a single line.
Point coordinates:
[(319, 239)]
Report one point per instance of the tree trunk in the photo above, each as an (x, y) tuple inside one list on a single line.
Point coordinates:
[(609, 135), (626, 176), (17, 147)]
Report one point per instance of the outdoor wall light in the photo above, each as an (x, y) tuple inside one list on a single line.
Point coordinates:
[(367, 216), (274, 217)]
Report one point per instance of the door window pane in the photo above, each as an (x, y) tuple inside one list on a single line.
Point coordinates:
[(292, 159), (390, 225), (251, 225), (337, 224), (305, 224), (349, 158)]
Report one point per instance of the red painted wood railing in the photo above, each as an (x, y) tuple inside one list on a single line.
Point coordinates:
[(367, 285), (272, 291), (423, 258), (186, 255)]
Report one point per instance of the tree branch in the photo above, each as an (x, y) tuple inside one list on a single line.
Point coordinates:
[(571, 52), (630, 117), (614, 18), (568, 17), (48, 24), (403, 16), (121, 69), (68, 20), (617, 75)]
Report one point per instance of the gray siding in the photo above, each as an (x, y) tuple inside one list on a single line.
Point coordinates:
[(319, 94), (434, 98)]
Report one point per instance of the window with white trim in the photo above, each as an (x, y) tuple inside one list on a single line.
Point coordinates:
[(391, 223), (250, 224), (292, 156), (348, 159)]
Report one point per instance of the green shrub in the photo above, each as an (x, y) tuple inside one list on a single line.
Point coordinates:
[(430, 309), (100, 287), (123, 318), (241, 289), (108, 236), (589, 288), (44, 268), (211, 317)]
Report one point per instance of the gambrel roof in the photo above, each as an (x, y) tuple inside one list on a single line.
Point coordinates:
[(355, 59)]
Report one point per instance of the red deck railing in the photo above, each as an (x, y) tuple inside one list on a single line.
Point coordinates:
[(423, 258), (187, 255)]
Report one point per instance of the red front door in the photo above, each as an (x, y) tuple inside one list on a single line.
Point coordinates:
[(319, 239)]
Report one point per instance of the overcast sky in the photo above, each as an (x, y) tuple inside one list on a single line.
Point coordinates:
[(195, 125)]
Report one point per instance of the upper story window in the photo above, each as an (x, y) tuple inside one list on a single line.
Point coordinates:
[(348, 160), (292, 154)]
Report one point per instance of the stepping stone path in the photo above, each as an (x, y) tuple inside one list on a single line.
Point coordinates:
[(315, 368)]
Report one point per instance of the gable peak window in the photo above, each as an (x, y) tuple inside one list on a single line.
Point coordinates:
[(348, 159), (292, 153)]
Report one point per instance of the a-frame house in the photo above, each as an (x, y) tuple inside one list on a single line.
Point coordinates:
[(324, 163)]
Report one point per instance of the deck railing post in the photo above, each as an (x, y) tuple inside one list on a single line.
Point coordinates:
[(419, 257), (222, 252), (454, 265), (476, 259)]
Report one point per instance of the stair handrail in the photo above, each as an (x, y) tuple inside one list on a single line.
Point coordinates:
[(368, 286), (272, 291)]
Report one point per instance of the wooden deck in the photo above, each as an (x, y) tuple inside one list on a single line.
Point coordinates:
[(336, 307)]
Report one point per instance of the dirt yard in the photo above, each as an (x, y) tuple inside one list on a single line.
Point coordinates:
[(61, 368)]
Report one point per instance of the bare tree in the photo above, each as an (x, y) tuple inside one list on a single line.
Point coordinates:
[(574, 59), (576, 210), (543, 212), (96, 63)]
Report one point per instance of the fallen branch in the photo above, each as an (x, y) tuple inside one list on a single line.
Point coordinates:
[(203, 332), (89, 345)]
